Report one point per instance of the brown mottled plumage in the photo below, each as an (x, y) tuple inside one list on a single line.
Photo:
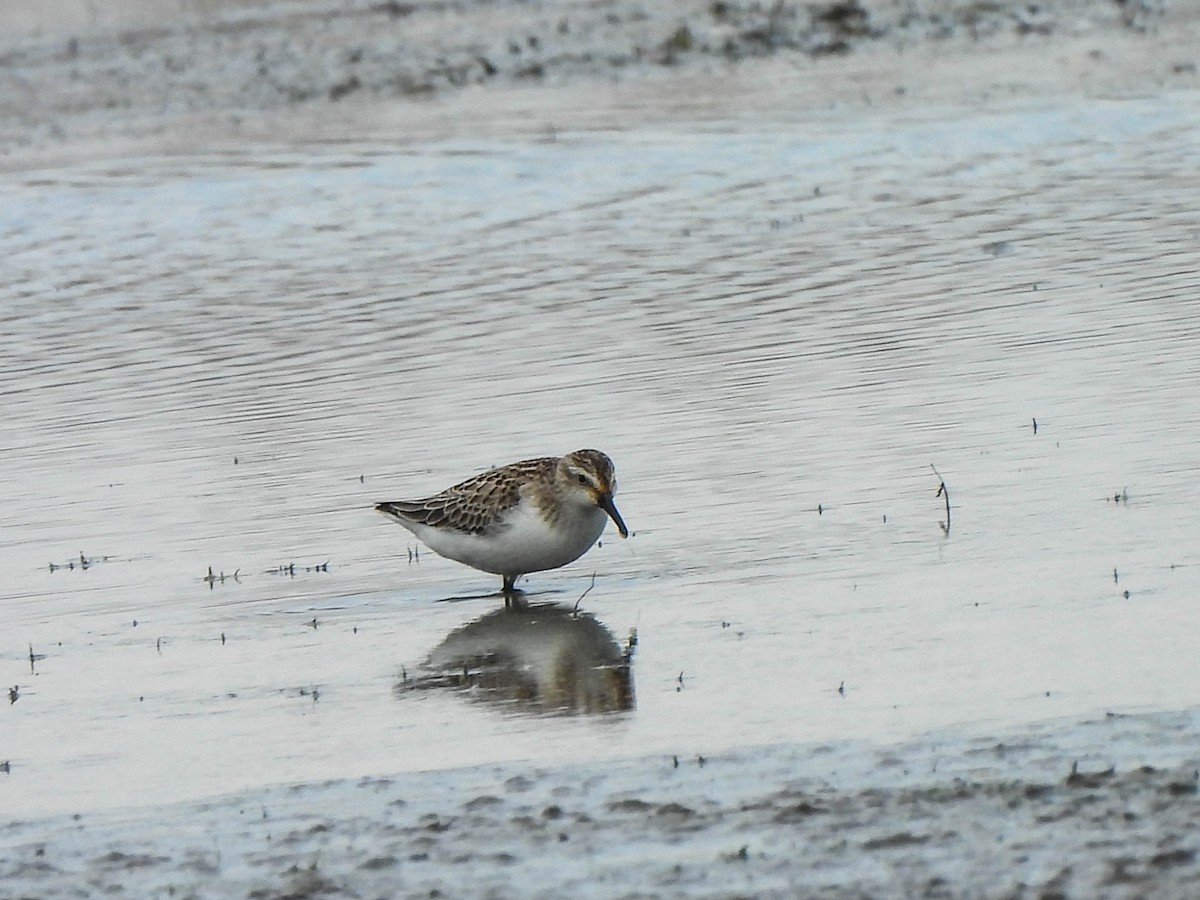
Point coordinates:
[(474, 505)]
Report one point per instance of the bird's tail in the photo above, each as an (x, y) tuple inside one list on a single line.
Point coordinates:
[(400, 509)]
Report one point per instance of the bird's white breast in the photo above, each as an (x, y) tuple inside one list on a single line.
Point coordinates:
[(525, 542)]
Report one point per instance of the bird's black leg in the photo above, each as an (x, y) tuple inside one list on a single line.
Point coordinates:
[(512, 594)]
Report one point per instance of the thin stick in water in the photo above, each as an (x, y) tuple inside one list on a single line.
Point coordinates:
[(943, 491), (585, 593)]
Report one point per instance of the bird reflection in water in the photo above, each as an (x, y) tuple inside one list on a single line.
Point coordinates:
[(542, 658)]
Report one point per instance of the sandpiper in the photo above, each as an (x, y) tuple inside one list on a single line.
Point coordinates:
[(528, 516)]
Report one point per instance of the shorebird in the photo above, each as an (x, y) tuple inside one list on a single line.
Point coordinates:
[(528, 516)]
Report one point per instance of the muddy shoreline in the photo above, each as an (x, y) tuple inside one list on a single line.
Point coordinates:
[(78, 79), (1037, 814)]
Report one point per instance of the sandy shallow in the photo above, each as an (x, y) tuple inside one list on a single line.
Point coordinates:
[(1054, 812), (1106, 808)]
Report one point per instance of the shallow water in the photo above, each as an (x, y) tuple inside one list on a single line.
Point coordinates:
[(776, 332)]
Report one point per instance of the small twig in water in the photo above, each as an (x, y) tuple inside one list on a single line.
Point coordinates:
[(585, 593), (212, 578), (943, 491)]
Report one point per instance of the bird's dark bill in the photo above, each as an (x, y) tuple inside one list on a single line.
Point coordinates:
[(606, 503)]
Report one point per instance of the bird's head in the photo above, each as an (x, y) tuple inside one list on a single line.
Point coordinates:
[(587, 477)]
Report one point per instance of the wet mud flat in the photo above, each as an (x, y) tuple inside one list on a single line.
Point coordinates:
[(74, 71), (1058, 812)]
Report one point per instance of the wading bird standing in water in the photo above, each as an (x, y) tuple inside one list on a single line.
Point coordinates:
[(528, 516)]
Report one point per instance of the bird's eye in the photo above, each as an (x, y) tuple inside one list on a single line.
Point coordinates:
[(581, 478)]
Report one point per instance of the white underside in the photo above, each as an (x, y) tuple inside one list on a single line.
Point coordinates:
[(525, 543)]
